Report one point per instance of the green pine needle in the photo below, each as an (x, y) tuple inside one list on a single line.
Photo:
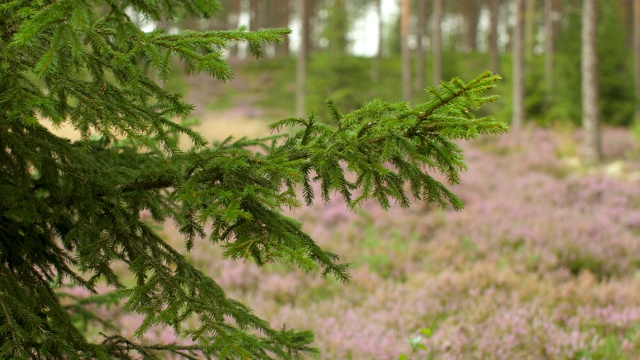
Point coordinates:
[(69, 211)]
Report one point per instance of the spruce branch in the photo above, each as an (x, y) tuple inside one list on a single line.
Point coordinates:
[(68, 211)]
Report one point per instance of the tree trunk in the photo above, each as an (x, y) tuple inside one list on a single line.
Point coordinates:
[(420, 31), (494, 10), (590, 97), (286, 15), (530, 27), (627, 18), (517, 120), (377, 62), (406, 55), (280, 11), (437, 42), (234, 20), (471, 13), (548, 51), (338, 27), (636, 48), (303, 54), (254, 15)]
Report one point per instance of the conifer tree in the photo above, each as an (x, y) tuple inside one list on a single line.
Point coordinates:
[(69, 210)]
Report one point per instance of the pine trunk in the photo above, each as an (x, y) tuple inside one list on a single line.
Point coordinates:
[(280, 15), (471, 15), (406, 55), (285, 13), (636, 47), (517, 120), (303, 54), (377, 62), (234, 22), (254, 15), (338, 22), (590, 96), (494, 9), (548, 50), (530, 23), (437, 42), (420, 32)]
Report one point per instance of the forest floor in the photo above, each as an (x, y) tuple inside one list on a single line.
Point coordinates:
[(543, 262)]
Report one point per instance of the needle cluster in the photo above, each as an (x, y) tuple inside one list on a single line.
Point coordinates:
[(70, 210)]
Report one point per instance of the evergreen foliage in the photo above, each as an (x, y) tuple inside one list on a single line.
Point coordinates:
[(68, 211)]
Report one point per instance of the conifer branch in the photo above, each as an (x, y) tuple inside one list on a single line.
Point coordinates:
[(69, 210)]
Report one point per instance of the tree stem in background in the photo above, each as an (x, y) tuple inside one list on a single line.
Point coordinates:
[(303, 54), (437, 42), (590, 94), (518, 115), (494, 9), (406, 55), (548, 51), (375, 70), (420, 32), (636, 49)]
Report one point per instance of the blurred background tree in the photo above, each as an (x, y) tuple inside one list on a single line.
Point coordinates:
[(354, 51)]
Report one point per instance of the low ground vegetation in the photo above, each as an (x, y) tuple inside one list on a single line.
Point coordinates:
[(543, 262)]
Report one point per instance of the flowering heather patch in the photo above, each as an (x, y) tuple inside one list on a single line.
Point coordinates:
[(543, 262), (573, 221)]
